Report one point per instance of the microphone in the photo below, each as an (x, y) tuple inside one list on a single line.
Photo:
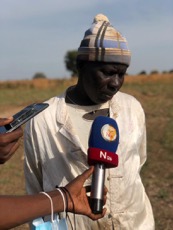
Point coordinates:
[(103, 143)]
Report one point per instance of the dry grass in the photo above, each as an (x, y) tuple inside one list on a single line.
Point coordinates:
[(155, 94)]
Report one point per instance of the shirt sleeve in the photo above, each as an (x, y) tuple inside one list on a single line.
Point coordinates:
[(142, 140), (32, 164)]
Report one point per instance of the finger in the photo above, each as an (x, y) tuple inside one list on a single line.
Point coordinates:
[(105, 191), (98, 216), (16, 133), (6, 138), (5, 121), (8, 152), (104, 199), (14, 148)]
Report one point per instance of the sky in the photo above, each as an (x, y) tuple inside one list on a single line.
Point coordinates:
[(35, 35)]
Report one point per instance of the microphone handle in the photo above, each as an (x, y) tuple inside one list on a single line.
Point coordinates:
[(97, 188)]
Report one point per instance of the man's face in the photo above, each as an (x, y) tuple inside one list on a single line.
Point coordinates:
[(101, 81)]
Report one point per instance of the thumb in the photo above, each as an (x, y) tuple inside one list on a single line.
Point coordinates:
[(87, 173)]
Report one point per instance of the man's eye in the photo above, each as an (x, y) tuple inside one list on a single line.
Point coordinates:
[(107, 73), (120, 75)]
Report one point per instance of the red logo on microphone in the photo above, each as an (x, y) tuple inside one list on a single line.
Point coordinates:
[(108, 132)]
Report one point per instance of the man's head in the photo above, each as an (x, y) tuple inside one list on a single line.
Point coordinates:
[(102, 60)]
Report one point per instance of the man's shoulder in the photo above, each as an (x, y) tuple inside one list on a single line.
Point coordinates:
[(49, 114), (54, 100), (126, 102), (124, 97)]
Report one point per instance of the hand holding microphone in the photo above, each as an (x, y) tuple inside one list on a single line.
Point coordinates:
[(103, 143)]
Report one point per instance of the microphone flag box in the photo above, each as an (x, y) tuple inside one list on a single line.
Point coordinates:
[(103, 142)]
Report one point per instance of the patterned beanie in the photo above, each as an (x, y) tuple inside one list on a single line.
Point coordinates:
[(102, 42)]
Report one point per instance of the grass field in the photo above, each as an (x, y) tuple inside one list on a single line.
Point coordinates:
[(155, 92)]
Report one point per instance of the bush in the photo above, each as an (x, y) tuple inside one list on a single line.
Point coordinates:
[(70, 62), (154, 72), (39, 75), (143, 72), (164, 72)]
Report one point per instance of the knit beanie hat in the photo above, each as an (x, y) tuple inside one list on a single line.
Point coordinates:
[(102, 42)]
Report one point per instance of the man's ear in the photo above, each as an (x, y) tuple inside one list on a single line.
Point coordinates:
[(80, 65)]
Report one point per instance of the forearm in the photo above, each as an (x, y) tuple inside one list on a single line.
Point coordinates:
[(19, 210)]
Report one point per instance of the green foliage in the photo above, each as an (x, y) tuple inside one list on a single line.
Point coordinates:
[(39, 75), (164, 72), (70, 62), (143, 72), (154, 72)]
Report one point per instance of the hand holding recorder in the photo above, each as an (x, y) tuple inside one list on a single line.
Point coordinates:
[(23, 116), (10, 131)]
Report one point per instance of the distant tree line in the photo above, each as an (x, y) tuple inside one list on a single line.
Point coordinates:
[(143, 72), (70, 64)]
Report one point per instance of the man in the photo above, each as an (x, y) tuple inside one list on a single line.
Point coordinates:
[(17, 210), (56, 142)]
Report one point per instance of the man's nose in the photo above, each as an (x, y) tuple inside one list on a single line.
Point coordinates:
[(114, 82)]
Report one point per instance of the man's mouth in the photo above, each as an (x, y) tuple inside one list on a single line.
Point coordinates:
[(106, 96)]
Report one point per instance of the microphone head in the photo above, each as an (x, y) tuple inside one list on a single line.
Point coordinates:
[(104, 139), (104, 134)]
